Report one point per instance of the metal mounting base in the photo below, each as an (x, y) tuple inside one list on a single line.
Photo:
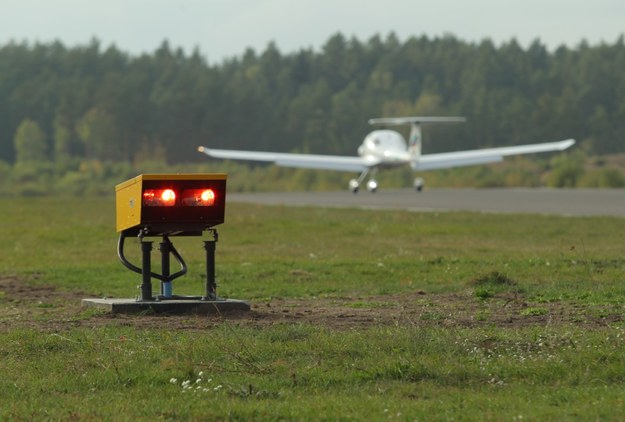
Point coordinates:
[(133, 306)]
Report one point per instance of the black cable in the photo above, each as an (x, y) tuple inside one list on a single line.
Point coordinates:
[(132, 267)]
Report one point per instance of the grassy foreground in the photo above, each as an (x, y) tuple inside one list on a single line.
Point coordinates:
[(542, 335)]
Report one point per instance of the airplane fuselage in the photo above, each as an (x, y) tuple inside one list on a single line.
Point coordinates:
[(387, 148)]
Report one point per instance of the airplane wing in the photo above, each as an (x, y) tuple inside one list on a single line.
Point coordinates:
[(484, 156), (311, 161)]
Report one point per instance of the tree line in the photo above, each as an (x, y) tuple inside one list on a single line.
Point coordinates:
[(70, 106)]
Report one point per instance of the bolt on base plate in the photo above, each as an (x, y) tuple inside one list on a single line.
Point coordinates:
[(133, 306)]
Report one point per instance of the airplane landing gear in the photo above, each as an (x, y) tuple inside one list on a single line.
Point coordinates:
[(418, 184), (372, 185), (354, 185)]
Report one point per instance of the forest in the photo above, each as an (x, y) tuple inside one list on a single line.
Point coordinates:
[(72, 116)]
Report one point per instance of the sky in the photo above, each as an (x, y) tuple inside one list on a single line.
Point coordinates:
[(222, 29)]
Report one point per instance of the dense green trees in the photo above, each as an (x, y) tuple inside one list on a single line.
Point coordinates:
[(30, 143), (93, 103)]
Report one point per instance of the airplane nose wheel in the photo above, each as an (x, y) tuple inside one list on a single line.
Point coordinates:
[(372, 186)]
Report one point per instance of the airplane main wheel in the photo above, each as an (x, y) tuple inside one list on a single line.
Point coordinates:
[(418, 184), (354, 185)]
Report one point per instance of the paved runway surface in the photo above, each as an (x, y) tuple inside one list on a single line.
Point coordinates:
[(570, 202)]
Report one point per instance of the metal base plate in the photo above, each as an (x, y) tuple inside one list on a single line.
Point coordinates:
[(133, 306)]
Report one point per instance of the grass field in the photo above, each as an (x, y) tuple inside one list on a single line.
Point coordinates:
[(356, 315)]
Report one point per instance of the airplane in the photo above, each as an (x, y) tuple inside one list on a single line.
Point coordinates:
[(384, 148)]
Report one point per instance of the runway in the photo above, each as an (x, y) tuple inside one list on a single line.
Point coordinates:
[(566, 202)]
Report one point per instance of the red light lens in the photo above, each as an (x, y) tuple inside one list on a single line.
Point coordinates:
[(208, 196), (168, 195), (198, 197), (159, 198)]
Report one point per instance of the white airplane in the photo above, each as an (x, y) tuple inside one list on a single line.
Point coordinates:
[(386, 149)]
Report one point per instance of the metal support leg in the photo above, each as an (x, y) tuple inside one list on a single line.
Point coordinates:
[(211, 285), (146, 285), (166, 285)]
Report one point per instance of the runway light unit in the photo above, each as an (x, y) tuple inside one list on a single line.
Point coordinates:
[(166, 205), (170, 204)]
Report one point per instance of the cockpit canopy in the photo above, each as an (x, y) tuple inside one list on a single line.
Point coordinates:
[(385, 140)]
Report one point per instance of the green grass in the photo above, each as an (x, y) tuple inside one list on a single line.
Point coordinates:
[(306, 372), (547, 365)]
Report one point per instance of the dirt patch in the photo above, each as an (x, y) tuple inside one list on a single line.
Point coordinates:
[(18, 291), (40, 306)]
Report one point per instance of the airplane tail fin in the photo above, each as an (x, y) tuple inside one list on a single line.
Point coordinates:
[(415, 122), (414, 141)]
